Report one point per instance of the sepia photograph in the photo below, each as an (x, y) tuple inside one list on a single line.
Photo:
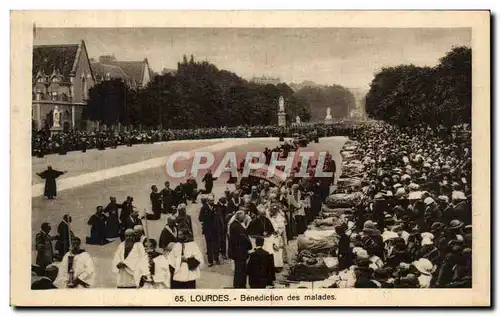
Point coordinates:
[(290, 160)]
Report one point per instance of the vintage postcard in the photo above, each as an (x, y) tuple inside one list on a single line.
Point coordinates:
[(250, 158)]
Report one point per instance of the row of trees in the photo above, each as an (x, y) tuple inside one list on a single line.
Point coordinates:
[(410, 95), (196, 95), (320, 97)]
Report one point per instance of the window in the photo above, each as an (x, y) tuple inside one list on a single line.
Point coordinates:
[(83, 86)]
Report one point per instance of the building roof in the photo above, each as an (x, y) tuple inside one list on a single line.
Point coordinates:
[(102, 69), (59, 58), (132, 71)]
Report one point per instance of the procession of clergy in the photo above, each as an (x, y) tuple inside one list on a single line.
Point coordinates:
[(250, 225)]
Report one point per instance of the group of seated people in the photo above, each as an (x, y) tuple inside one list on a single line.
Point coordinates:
[(414, 229)]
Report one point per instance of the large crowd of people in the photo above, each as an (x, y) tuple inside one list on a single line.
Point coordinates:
[(400, 216), (43, 143)]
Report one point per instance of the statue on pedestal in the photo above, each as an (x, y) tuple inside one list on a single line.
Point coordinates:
[(281, 112), (328, 118), (297, 119), (328, 114), (56, 118)]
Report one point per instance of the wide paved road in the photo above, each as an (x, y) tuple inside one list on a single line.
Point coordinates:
[(131, 171)]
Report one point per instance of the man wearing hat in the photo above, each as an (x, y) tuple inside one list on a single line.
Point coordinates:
[(364, 274), (462, 209), (398, 253), (428, 250), (372, 239), (432, 212), (381, 278)]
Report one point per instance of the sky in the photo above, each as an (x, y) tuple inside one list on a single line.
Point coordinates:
[(344, 56)]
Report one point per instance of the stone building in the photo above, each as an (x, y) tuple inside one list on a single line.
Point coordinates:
[(61, 76), (136, 74)]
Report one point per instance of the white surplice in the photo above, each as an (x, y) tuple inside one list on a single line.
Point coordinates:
[(279, 225), (161, 277), (136, 263), (182, 272), (83, 267)]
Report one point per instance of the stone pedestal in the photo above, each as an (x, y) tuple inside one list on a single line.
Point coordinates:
[(328, 120), (55, 130), (281, 118)]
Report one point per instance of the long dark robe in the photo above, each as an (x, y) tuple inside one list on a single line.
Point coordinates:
[(167, 196), (167, 237), (126, 210), (112, 223), (260, 226), (155, 198), (63, 235), (97, 230), (50, 177)]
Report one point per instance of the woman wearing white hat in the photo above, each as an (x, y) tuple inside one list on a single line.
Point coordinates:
[(423, 268)]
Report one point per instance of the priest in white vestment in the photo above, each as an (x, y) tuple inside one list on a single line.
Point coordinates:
[(159, 273), (186, 260), (83, 271), (279, 224), (130, 262)]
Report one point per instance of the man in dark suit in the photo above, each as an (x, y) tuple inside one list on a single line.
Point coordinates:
[(156, 204), (260, 267), (212, 223), (43, 241), (127, 208), (46, 282), (221, 207), (239, 245), (63, 235), (167, 196), (130, 222)]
